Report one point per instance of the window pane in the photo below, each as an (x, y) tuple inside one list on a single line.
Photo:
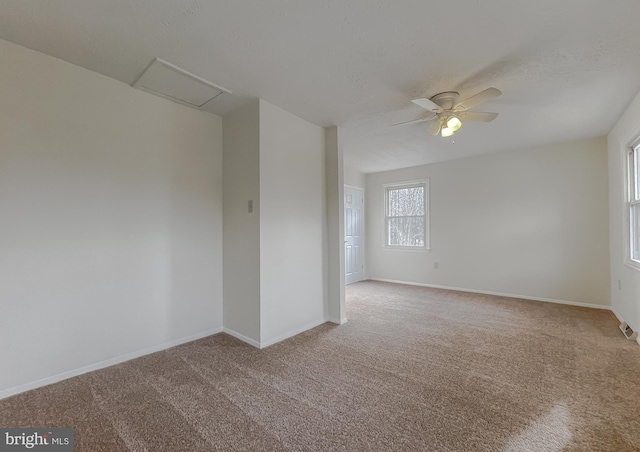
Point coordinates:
[(635, 232), (636, 172), (405, 201), (406, 231)]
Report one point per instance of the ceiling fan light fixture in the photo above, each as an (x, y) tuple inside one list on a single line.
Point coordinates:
[(446, 132), (454, 123), (445, 110)]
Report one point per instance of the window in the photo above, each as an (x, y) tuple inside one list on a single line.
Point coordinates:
[(406, 215), (634, 205)]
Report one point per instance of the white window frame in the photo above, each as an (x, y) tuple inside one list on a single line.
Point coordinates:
[(632, 199), (407, 184)]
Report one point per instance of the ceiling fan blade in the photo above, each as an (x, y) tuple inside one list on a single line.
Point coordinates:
[(434, 127), (483, 116), (429, 117), (427, 104), (472, 101)]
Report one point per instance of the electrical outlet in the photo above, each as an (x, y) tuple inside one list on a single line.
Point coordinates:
[(619, 284), (436, 265), (250, 206)]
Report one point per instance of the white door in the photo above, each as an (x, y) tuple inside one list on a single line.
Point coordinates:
[(353, 231)]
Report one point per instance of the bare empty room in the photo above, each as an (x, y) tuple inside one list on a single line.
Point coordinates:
[(316, 225)]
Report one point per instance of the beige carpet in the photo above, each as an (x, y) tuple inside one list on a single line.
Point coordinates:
[(414, 369)]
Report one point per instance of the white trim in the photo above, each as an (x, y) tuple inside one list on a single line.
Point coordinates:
[(631, 263), (618, 316), (138, 84), (413, 249), (178, 69), (629, 187), (294, 332), (266, 343), (621, 319), (241, 337), (427, 214), (499, 294), (102, 364), (282, 337)]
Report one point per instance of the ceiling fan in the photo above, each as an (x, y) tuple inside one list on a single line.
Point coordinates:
[(447, 112)]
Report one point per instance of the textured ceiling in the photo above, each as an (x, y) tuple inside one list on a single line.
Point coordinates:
[(567, 68)]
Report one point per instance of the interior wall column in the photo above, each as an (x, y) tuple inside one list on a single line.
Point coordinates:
[(335, 225)]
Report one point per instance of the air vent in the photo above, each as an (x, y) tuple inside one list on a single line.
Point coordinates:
[(628, 331), (171, 82)]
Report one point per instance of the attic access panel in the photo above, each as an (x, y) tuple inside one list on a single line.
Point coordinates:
[(174, 83)]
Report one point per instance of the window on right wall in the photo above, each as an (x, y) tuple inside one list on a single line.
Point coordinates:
[(634, 205)]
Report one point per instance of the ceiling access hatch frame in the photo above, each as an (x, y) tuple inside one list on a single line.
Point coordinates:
[(171, 82)]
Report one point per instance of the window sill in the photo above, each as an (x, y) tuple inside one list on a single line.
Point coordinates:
[(633, 264), (406, 248)]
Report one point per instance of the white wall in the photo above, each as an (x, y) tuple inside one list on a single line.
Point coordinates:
[(292, 219), (530, 222), (354, 178), (111, 219), (625, 298), (334, 265), (242, 228)]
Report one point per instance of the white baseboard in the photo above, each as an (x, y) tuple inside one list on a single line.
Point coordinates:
[(618, 316), (275, 340), (155, 348), (336, 320), (524, 297), (294, 332), (621, 319), (242, 337), (499, 294), (102, 364)]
